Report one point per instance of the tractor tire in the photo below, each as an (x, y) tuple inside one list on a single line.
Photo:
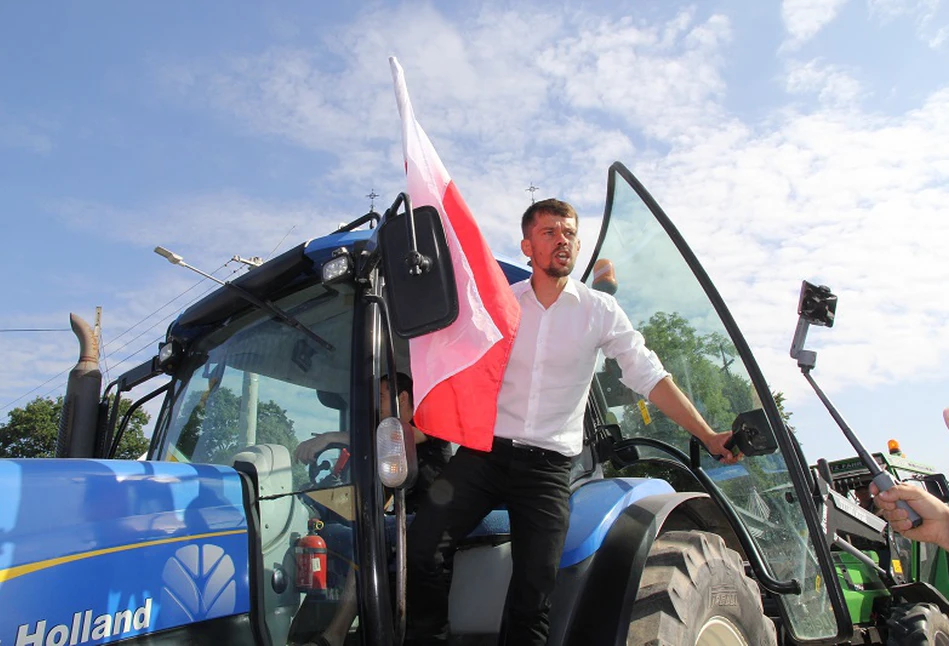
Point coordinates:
[(694, 592), (918, 624)]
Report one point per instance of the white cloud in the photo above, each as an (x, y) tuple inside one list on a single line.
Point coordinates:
[(893, 9), (924, 13), (833, 84), (939, 38), (803, 19), (821, 190), (831, 193), (653, 77), (845, 198)]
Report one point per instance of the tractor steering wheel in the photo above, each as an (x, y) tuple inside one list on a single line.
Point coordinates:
[(330, 467)]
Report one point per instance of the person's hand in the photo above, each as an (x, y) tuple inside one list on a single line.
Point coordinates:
[(309, 449), (934, 512), (716, 446)]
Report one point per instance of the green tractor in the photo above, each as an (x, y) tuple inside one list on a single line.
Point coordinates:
[(906, 582), (895, 589)]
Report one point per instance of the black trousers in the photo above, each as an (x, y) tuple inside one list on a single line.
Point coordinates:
[(534, 485)]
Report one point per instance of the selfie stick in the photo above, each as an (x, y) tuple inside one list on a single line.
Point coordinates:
[(817, 305)]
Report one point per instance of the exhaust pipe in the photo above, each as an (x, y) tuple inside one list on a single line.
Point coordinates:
[(77, 423)]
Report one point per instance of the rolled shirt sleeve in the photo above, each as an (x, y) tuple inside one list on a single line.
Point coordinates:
[(641, 367)]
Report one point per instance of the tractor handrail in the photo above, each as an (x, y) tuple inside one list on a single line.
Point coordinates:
[(758, 565)]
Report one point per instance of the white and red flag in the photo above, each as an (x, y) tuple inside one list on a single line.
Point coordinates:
[(457, 371)]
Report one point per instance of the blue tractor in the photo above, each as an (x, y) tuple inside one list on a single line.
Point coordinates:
[(221, 536)]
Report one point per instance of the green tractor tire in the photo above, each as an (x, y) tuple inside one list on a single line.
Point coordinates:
[(920, 624), (694, 591)]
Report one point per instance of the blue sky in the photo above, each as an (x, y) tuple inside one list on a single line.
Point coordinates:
[(787, 140)]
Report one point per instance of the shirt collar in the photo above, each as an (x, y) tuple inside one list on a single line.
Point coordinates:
[(571, 289), (524, 286)]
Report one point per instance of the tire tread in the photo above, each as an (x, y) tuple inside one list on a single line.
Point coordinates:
[(665, 601)]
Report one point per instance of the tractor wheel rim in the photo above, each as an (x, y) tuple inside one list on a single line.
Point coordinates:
[(718, 631)]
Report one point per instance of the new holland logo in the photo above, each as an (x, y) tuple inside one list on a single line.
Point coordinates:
[(198, 583), (84, 628)]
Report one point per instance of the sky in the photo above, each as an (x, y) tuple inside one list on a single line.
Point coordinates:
[(803, 139)]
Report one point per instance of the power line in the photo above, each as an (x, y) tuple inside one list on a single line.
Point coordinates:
[(146, 330), (63, 383), (9, 405), (148, 316), (35, 329), (27, 394), (161, 320), (289, 231)]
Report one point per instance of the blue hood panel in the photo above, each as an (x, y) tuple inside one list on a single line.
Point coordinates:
[(94, 551)]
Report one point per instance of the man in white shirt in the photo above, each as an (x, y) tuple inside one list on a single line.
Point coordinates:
[(539, 428)]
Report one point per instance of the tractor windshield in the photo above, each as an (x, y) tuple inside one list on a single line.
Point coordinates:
[(259, 381), (665, 301)]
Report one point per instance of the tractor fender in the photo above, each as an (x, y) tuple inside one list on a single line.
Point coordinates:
[(594, 597)]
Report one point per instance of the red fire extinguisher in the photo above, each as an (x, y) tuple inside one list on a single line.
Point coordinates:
[(310, 555)]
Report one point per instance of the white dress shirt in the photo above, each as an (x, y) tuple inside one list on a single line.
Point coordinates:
[(544, 392)]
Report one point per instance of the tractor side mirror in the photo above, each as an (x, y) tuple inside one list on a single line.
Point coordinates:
[(753, 434), (420, 279)]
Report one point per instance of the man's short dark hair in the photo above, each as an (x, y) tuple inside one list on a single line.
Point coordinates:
[(404, 385), (551, 205)]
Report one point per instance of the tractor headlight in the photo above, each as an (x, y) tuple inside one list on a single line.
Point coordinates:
[(339, 267), (168, 352)]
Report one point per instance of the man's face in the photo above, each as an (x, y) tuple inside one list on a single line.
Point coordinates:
[(552, 244)]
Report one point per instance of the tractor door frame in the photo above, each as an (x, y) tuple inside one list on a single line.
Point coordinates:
[(797, 468)]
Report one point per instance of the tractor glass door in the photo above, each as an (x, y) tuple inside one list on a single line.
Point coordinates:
[(670, 300)]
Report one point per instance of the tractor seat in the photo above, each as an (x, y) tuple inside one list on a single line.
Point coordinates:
[(494, 529)]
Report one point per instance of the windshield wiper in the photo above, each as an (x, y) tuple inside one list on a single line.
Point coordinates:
[(261, 303), (281, 315)]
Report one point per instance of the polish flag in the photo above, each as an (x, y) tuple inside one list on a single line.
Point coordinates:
[(457, 371)]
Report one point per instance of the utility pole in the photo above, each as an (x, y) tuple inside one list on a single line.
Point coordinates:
[(97, 331)]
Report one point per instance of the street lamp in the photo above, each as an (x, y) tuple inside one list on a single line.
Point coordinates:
[(175, 259)]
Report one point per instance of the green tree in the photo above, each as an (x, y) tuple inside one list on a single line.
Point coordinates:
[(31, 431), (703, 365), (699, 365), (780, 399), (211, 432), (133, 444)]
